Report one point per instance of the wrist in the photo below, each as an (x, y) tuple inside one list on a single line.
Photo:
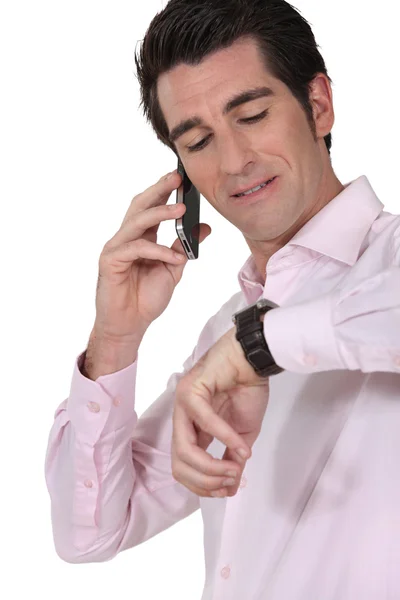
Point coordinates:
[(250, 334), (105, 355)]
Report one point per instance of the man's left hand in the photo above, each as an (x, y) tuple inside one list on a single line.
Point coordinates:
[(222, 397)]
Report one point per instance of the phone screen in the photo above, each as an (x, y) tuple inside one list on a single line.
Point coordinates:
[(188, 227)]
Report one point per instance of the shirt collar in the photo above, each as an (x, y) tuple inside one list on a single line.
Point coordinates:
[(337, 230)]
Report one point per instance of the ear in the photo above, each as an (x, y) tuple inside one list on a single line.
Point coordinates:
[(322, 105)]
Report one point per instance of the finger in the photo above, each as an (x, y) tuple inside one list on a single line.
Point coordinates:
[(154, 195), (198, 410), (127, 253), (203, 484), (212, 473), (137, 224), (188, 451), (220, 493)]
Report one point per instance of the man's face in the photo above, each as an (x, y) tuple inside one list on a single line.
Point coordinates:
[(237, 155)]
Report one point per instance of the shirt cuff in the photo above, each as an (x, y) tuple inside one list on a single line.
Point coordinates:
[(107, 404), (301, 337)]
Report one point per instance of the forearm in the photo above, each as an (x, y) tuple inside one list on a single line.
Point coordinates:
[(353, 328), (105, 356)]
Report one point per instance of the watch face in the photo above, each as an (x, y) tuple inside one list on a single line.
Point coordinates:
[(263, 302)]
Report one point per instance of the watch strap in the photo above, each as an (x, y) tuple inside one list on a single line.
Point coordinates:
[(250, 334)]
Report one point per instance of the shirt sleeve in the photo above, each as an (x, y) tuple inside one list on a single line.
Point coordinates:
[(355, 327), (107, 471)]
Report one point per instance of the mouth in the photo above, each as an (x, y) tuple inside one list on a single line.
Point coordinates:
[(254, 193)]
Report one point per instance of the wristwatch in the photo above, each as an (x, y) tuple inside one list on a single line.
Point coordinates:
[(250, 334)]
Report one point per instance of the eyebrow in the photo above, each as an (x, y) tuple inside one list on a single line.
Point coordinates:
[(241, 98)]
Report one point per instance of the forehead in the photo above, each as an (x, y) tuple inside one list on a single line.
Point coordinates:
[(185, 88)]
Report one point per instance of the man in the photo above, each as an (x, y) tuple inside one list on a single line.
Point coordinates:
[(239, 91)]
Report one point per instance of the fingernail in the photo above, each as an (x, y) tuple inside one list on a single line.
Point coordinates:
[(231, 473), (218, 494), (242, 452), (169, 175), (230, 481)]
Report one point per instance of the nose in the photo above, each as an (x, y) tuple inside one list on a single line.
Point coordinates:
[(234, 154)]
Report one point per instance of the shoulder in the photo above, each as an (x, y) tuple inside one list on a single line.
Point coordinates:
[(384, 237), (396, 242), (388, 227)]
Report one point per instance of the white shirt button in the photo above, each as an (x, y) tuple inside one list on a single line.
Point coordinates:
[(94, 407), (225, 573), (309, 359), (117, 401), (397, 361), (243, 481), (88, 483)]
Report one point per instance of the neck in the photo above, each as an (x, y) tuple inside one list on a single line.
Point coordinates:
[(262, 251)]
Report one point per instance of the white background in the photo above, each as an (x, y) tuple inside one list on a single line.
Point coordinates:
[(74, 150)]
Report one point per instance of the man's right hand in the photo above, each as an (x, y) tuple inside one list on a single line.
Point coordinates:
[(137, 276)]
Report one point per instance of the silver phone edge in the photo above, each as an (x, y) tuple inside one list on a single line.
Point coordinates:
[(179, 227)]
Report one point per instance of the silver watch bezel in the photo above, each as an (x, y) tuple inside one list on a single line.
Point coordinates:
[(261, 304)]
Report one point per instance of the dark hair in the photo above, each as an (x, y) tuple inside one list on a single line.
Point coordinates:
[(186, 31)]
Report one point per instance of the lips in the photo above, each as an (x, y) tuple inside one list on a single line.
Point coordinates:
[(252, 186), (262, 193)]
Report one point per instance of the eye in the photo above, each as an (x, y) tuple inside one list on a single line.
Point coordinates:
[(249, 120), (256, 118), (200, 145)]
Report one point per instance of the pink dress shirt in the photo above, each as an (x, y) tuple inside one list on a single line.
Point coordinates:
[(317, 514)]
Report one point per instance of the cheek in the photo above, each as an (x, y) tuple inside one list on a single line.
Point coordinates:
[(209, 176), (285, 136), (275, 139), (205, 180)]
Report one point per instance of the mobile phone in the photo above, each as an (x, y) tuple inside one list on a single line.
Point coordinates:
[(188, 227)]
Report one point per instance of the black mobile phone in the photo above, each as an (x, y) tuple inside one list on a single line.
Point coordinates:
[(188, 227)]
